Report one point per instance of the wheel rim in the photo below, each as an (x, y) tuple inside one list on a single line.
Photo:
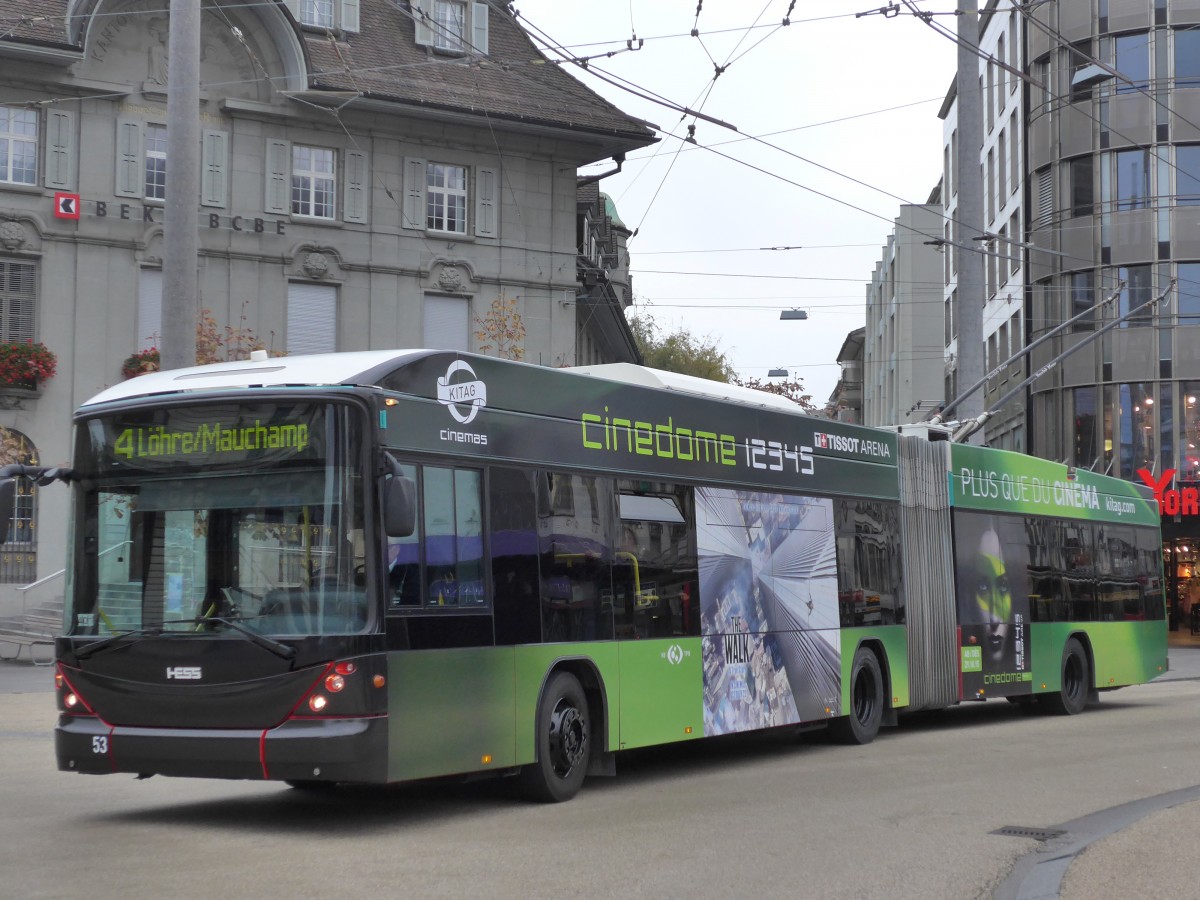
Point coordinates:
[(864, 697), (568, 738)]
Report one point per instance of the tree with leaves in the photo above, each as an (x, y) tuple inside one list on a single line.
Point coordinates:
[(680, 351), (791, 389), (502, 329)]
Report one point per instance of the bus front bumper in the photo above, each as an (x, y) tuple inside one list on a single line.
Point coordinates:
[(298, 750)]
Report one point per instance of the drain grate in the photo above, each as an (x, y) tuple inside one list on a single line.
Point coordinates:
[(1038, 834)]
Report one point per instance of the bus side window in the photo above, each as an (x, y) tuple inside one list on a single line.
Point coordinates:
[(513, 539), (404, 558)]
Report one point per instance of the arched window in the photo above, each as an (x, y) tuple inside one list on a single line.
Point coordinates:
[(18, 554)]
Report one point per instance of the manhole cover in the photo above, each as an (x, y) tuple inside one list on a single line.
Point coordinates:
[(1038, 834)]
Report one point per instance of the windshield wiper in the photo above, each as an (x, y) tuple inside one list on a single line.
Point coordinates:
[(280, 649), (137, 634)]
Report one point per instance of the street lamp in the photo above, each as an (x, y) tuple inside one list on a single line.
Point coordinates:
[(789, 314), (777, 373)]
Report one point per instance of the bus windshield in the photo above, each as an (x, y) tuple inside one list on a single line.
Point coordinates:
[(193, 517)]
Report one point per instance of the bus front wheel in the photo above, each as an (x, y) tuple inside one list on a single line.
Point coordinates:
[(861, 725), (1072, 696), (563, 744)]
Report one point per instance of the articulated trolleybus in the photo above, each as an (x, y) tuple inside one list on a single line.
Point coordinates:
[(381, 566)]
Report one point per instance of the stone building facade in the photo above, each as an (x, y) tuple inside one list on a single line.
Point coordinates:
[(374, 174)]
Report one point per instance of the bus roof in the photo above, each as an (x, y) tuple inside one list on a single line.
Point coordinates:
[(317, 369), (367, 366)]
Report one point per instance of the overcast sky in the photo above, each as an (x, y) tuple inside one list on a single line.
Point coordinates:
[(858, 96)]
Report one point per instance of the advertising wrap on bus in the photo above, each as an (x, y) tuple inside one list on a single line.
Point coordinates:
[(1038, 542), (996, 480), (488, 408)]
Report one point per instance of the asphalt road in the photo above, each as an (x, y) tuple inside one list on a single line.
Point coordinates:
[(911, 815)]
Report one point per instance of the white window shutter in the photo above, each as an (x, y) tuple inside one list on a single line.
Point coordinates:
[(1045, 197), (414, 194), (149, 314), (445, 323), (60, 149), (421, 10), (311, 318), (350, 15), (479, 24), (357, 188), (486, 195), (278, 182), (130, 174), (214, 173)]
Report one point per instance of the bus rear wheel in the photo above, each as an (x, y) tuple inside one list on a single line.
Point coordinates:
[(1072, 696), (563, 743), (861, 725)]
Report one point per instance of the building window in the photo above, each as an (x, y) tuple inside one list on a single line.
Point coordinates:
[(18, 298), (1083, 297), (1001, 169), (311, 318), (1079, 56), (156, 162), (149, 314), (1132, 59), (1187, 174), (1187, 294), (1003, 76), (18, 554), (1137, 438), (317, 12), (326, 13), (1135, 295), (1083, 195), (446, 198), (1015, 240), (449, 25), (1189, 431), (1187, 57), (18, 145), (313, 170), (1085, 430), (446, 325), (1132, 178)]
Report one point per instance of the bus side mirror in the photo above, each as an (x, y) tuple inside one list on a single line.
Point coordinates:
[(8, 499), (399, 506)]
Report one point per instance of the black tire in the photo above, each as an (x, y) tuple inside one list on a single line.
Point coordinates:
[(1076, 683), (861, 724), (563, 742)]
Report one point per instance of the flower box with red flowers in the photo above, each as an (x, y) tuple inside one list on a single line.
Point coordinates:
[(25, 364), (141, 362)]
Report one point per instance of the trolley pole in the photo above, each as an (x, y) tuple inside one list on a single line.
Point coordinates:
[(180, 237)]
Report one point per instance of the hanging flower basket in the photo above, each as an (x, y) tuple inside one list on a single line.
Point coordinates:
[(25, 364), (140, 363)]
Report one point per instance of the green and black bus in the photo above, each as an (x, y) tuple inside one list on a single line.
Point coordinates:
[(390, 565)]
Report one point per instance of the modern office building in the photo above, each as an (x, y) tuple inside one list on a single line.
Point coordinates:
[(374, 174), (1113, 173)]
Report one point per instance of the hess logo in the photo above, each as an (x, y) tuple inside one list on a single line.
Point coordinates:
[(184, 673)]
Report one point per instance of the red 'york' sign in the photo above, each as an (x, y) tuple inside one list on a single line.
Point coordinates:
[(1174, 502)]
